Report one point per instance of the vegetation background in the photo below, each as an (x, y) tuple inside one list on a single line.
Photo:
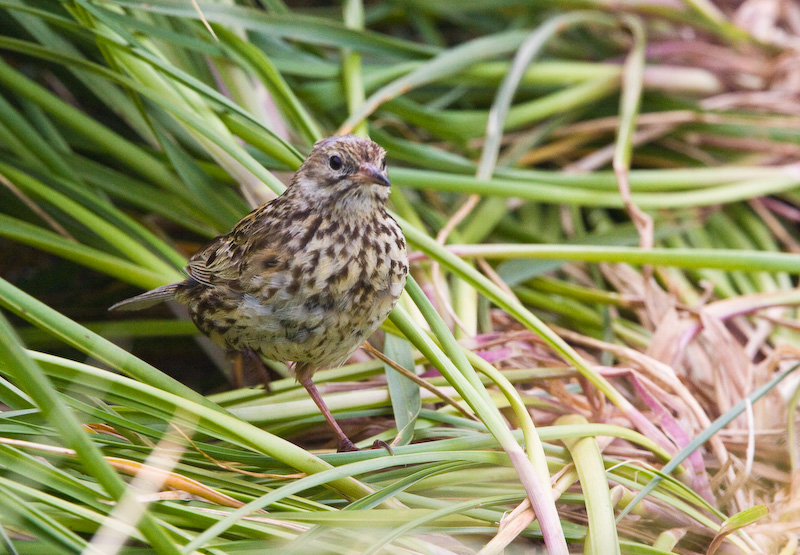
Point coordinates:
[(601, 200)]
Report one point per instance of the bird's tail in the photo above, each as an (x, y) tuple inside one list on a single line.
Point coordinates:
[(151, 298)]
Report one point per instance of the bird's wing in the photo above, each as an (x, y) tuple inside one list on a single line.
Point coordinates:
[(227, 259), (212, 264)]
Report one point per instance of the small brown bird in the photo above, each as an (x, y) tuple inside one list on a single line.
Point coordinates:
[(306, 277)]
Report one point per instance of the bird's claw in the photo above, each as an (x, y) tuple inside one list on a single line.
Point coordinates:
[(380, 444)]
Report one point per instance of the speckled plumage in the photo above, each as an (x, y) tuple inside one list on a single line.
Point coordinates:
[(308, 276)]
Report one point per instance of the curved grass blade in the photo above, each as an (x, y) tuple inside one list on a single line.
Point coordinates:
[(588, 460), (36, 384), (51, 242), (292, 26), (453, 364), (404, 393)]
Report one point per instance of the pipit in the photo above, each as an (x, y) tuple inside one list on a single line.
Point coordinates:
[(307, 277)]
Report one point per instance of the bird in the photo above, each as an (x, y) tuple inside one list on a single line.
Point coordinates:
[(305, 278)]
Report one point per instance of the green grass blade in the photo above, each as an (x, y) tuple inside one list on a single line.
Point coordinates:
[(404, 393), (36, 384), (588, 460)]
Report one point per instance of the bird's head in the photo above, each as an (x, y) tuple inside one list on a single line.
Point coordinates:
[(344, 172)]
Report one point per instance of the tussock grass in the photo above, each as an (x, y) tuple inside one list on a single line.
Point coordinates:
[(602, 208)]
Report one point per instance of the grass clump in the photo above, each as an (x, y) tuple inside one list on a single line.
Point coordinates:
[(601, 205)]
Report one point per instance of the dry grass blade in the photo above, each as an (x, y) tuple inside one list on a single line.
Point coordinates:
[(530, 152)]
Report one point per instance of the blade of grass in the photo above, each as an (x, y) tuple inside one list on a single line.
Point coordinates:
[(404, 393), (90, 343), (291, 26), (94, 132), (722, 259), (453, 364), (108, 232), (704, 436), (351, 65), (36, 384), (513, 307), (263, 68), (448, 62), (588, 461), (629, 106), (352, 469), (54, 534), (552, 193), (51, 242), (179, 409)]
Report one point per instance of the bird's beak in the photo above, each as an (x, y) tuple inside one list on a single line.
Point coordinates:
[(374, 175)]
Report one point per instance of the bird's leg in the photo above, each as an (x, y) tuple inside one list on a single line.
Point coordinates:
[(248, 368), (254, 366), (344, 442), (236, 361)]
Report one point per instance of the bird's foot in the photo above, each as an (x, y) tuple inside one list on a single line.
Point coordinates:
[(345, 446)]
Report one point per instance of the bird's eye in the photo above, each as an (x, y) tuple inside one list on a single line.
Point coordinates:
[(335, 162), (383, 163)]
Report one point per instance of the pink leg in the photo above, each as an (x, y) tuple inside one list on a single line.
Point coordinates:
[(344, 442)]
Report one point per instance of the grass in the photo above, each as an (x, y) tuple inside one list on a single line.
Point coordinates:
[(601, 205)]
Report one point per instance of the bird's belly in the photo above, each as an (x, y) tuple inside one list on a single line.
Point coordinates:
[(322, 329), (322, 305)]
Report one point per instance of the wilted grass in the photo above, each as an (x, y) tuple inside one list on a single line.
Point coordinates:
[(602, 208)]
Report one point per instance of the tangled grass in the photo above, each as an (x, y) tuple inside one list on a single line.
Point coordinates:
[(596, 351)]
